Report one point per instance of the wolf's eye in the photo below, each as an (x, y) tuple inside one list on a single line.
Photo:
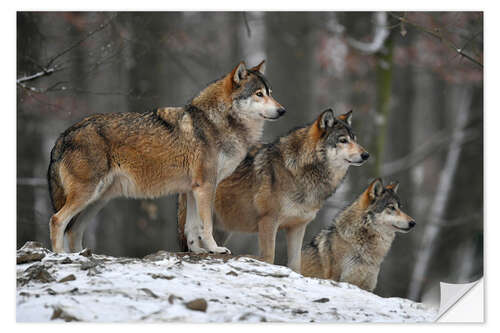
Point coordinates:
[(260, 94), (343, 140)]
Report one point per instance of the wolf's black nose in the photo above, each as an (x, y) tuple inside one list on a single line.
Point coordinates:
[(365, 156), (281, 112), (412, 224)]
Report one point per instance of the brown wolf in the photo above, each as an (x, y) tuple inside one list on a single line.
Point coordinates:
[(169, 150), (353, 247), (285, 183)]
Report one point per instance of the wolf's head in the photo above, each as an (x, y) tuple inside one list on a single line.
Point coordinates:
[(250, 93), (334, 137), (383, 208)]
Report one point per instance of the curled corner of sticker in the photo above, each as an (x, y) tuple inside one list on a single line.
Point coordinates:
[(459, 304)]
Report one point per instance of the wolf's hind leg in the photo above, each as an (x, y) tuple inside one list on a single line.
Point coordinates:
[(294, 238), (74, 204), (76, 229)]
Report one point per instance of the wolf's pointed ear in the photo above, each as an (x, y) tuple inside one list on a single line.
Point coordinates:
[(326, 119), (346, 117), (260, 67), (393, 186), (375, 189), (239, 72)]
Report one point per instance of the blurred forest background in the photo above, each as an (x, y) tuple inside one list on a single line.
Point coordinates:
[(414, 81)]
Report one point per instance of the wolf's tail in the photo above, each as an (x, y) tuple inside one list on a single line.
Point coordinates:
[(56, 190), (181, 221)]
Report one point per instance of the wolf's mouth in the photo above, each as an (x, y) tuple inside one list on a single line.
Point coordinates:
[(355, 163), (402, 229), (268, 118)]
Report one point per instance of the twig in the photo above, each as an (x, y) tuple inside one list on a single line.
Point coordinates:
[(380, 35), (436, 34), (74, 45), (249, 32), (170, 54), (43, 90), (433, 145), (44, 72), (49, 68)]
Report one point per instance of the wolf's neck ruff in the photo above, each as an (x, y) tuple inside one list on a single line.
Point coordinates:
[(354, 226), (315, 173), (215, 102)]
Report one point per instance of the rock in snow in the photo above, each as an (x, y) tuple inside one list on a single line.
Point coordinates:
[(167, 287)]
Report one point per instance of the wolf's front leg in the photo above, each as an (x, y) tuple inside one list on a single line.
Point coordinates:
[(267, 238), (294, 238), (193, 229), (204, 197)]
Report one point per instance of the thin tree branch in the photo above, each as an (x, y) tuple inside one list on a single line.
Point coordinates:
[(43, 90), (170, 54), (437, 34), (32, 77), (380, 35), (79, 42), (247, 26), (433, 145), (49, 69)]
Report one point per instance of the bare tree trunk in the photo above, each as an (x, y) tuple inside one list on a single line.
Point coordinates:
[(436, 214), (28, 133), (290, 47), (384, 90), (396, 268), (250, 37)]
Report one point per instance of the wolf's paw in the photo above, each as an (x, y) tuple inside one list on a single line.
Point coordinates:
[(220, 250), (197, 249)]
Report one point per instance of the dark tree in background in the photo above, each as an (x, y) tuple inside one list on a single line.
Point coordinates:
[(414, 81)]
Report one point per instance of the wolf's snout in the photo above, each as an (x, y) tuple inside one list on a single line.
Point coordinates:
[(411, 224), (281, 112), (365, 155)]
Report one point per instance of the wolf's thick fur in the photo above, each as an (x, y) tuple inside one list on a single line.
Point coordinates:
[(170, 150), (284, 184), (353, 247)]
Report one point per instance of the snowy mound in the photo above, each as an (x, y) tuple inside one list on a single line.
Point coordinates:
[(189, 288)]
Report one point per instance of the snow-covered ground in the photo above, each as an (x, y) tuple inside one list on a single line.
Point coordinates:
[(190, 288)]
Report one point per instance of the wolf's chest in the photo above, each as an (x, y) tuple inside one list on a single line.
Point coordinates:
[(227, 163), (293, 210)]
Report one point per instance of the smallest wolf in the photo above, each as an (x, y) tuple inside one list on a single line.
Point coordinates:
[(353, 247)]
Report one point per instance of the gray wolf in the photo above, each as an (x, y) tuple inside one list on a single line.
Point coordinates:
[(282, 185), (352, 248), (169, 150)]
